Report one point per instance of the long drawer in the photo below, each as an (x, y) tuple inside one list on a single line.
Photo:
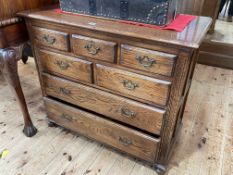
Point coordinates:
[(66, 66), (132, 84), (127, 111), (110, 133)]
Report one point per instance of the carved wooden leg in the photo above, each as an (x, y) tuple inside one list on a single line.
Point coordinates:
[(8, 63)]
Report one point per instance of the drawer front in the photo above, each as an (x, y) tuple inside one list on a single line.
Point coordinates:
[(110, 133), (94, 48), (66, 66), (118, 108), (51, 38), (135, 85), (147, 60)]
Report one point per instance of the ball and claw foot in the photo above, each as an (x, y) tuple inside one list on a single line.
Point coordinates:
[(30, 131), (160, 169), (51, 124)]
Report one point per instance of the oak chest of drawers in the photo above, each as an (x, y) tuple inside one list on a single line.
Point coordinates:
[(122, 85)]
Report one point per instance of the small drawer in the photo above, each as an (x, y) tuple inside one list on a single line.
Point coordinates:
[(66, 66), (51, 38), (134, 85), (147, 60), (123, 138), (94, 48), (118, 108)]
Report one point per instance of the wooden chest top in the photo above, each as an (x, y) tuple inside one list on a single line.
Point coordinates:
[(191, 37)]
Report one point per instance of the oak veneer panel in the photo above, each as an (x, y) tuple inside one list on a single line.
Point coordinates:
[(214, 59), (94, 48), (66, 66), (51, 38), (9, 8), (110, 133), (217, 47), (135, 85), (122, 109), (147, 60), (14, 34)]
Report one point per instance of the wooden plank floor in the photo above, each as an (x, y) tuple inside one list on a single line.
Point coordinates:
[(204, 148)]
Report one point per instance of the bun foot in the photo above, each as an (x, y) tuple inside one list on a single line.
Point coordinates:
[(52, 124), (160, 169), (30, 131)]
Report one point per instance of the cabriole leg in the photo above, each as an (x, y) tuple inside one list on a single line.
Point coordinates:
[(8, 66)]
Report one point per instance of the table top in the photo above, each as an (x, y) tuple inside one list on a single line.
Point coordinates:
[(191, 37)]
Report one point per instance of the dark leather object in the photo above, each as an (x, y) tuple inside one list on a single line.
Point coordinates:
[(157, 12)]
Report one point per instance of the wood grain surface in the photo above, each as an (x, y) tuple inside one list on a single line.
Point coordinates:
[(51, 38), (65, 66), (121, 109), (204, 146), (9, 8), (191, 37), (87, 124), (156, 91), (94, 48), (147, 60)]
